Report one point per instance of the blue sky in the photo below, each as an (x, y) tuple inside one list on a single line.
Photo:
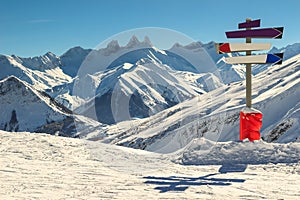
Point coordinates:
[(34, 27)]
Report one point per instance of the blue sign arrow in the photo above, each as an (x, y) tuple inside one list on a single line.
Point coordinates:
[(275, 58)]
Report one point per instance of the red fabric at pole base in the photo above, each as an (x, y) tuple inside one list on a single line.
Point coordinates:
[(250, 124)]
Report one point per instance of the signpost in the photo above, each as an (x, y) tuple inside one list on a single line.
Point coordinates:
[(250, 119), (236, 47), (275, 33), (256, 59), (250, 24)]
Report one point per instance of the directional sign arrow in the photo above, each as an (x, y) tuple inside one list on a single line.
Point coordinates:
[(256, 59), (236, 47), (250, 24), (275, 33)]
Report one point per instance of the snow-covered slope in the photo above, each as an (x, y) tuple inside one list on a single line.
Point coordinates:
[(201, 81), (133, 90), (42, 72), (215, 115), (26, 109), (203, 152), (37, 166)]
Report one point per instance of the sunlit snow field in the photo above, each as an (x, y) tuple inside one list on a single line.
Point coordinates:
[(40, 166)]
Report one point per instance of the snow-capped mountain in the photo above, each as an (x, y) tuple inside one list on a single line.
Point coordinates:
[(215, 115), (135, 90), (289, 51), (26, 109), (100, 59), (72, 60), (42, 72), (41, 63), (201, 81), (149, 96), (102, 69), (195, 57)]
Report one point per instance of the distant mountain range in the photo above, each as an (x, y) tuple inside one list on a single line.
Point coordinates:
[(133, 82)]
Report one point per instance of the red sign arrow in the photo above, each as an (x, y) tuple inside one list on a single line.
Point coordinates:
[(236, 47), (257, 33), (224, 48)]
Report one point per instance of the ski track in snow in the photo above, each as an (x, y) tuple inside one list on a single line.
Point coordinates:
[(40, 166)]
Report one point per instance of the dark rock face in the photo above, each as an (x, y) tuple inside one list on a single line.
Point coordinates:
[(65, 128), (13, 124), (110, 109), (105, 114)]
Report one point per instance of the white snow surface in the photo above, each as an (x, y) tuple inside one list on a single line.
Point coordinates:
[(127, 65), (41, 166), (250, 110), (204, 152)]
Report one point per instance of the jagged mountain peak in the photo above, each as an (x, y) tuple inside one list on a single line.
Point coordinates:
[(133, 42), (50, 54), (194, 45), (76, 51), (112, 47), (190, 46), (147, 40), (7, 58), (176, 45), (113, 44)]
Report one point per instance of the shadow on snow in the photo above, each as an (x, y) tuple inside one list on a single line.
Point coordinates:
[(181, 183)]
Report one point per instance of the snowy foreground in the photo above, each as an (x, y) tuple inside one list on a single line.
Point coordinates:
[(40, 166)]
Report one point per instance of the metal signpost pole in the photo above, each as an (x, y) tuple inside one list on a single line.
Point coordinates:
[(248, 73)]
